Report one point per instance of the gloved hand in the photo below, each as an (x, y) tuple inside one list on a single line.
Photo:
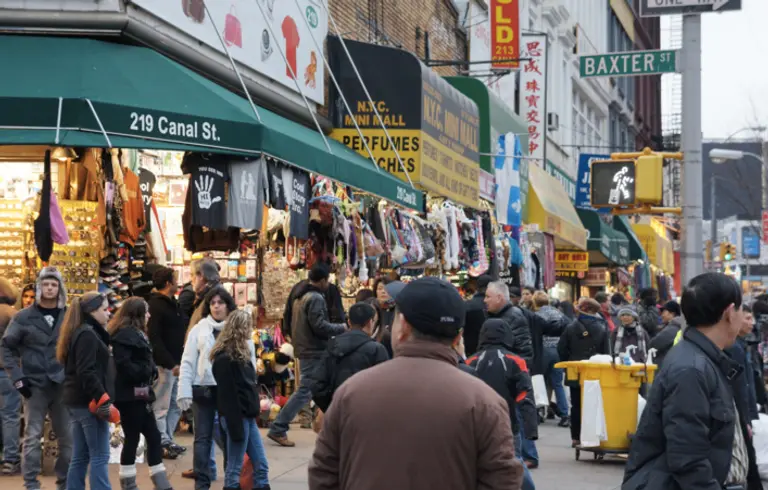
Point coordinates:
[(184, 404), (104, 409), (22, 386)]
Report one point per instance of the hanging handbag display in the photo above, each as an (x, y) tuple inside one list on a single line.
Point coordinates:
[(233, 31), (194, 9)]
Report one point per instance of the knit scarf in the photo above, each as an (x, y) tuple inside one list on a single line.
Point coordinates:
[(620, 340), (205, 341)]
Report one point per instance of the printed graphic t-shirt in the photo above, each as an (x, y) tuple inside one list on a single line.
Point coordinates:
[(246, 194), (277, 196), (292, 40), (147, 183), (208, 176), (301, 192)]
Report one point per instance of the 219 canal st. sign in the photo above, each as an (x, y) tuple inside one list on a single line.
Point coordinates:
[(655, 8), (630, 63), (434, 127)]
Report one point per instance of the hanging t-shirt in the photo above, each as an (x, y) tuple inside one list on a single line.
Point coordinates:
[(147, 183), (246, 194), (300, 205), (208, 176), (277, 197), (292, 40)]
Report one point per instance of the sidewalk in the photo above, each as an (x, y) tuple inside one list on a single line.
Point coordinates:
[(288, 466)]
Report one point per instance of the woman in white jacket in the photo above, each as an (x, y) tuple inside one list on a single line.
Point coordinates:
[(197, 386)]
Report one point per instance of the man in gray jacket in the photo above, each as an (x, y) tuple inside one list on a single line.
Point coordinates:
[(29, 355), (310, 332)]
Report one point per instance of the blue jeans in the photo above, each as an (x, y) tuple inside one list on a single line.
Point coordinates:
[(236, 451), (166, 410), (527, 477), (10, 414), (90, 437), (203, 451), (309, 370), (554, 378), (527, 447), (44, 401)]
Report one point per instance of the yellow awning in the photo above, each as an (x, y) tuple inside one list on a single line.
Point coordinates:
[(657, 246), (550, 207)]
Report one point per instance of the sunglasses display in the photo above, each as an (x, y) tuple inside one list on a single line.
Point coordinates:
[(17, 248), (78, 261)]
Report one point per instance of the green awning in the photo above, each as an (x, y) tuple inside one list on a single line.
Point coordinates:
[(636, 250), (495, 117), (605, 244), (142, 99)]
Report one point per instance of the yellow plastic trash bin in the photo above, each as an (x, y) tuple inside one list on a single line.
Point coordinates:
[(620, 386)]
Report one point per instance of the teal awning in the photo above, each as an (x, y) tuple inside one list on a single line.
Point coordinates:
[(496, 118), (141, 99), (611, 245), (636, 250)]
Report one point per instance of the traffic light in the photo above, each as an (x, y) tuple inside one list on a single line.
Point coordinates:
[(721, 253), (708, 251), (649, 176), (730, 252)]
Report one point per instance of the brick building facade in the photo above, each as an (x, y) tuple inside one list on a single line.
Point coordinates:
[(427, 28)]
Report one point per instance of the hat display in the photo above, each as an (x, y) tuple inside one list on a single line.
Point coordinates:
[(432, 306)]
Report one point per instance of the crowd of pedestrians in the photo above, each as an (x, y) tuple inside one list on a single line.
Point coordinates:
[(407, 362)]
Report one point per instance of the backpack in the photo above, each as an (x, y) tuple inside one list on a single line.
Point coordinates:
[(327, 383)]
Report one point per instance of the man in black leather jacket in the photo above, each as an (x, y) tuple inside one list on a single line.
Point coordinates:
[(691, 436)]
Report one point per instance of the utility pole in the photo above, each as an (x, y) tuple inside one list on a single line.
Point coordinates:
[(692, 261)]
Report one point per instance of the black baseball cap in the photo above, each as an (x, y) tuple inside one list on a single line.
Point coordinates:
[(433, 307)]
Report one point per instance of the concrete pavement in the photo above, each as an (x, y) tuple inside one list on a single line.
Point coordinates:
[(288, 466)]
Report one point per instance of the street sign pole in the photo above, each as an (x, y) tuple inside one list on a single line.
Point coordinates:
[(692, 259)]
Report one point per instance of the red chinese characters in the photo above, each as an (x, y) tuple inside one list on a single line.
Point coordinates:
[(533, 95)]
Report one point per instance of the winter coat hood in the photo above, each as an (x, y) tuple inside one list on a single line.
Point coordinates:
[(342, 345), (51, 273), (496, 332)]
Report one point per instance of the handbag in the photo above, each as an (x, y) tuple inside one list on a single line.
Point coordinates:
[(204, 395), (194, 9), (233, 31)]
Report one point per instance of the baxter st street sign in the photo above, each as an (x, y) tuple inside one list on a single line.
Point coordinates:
[(628, 64)]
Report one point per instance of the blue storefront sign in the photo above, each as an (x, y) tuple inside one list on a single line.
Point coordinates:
[(509, 198), (750, 243), (583, 181)]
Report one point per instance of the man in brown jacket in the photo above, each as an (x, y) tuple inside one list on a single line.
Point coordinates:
[(417, 422)]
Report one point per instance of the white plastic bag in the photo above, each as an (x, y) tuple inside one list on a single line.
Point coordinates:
[(760, 443), (539, 391), (593, 426), (640, 407)]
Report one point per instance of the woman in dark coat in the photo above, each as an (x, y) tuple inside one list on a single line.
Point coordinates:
[(136, 371), (586, 336)]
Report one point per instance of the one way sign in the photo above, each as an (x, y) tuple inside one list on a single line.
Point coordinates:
[(655, 8)]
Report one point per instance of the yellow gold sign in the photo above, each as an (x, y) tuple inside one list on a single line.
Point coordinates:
[(571, 261)]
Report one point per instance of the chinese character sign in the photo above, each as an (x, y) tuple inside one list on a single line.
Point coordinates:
[(505, 33), (533, 95)]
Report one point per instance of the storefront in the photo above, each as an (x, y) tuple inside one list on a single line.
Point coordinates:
[(653, 236), (608, 251), (551, 212), (433, 128)]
